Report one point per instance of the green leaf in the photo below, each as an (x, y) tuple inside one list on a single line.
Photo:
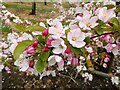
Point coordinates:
[(41, 39), (75, 50), (109, 6), (5, 28), (44, 55), (40, 65), (35, 28), (100, 31), (66, 31), (18, 27), (87, 40), (83, 50), (115, 22), (117, 10), (21, 48)]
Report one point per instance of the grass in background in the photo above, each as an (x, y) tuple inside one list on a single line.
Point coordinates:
[(22, 7)]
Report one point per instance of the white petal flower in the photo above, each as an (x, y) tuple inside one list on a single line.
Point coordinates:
[(57, 30), (115, 80), (75, 38), (22, 62), (52, 60), (104, 14), (59, 46)]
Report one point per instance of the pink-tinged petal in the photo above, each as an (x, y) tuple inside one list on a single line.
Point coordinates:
[(61, 65), (52, 30), (115, 50), (69, 36), (51, 60), (80, 44), (58, 58), (56, 43), (82, 24), (75, 61), (59, 26), (72, 27), (93, 19), (57, 50), (81, 35)]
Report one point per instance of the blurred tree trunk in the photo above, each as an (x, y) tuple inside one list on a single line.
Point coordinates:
[(33, 9), (45, 2)]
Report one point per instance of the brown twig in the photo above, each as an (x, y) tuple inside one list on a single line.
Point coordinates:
[(104, 34)]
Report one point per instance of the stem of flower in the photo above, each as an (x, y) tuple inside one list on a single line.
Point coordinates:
[(104, 34), (92, 70)]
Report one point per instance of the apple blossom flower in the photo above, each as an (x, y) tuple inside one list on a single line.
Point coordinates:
[(88, 23), (87, 76), (89, 49), (22, 62), (112, 48), (108, 38), (59, 46), (57, 30), (82, 58), (7, 69), (30, 50), (7, 22), (1, 67), (115, 80), (79, 68), (27, 36), (52, 60), (99, 43), (104, 14), (107, 59), (81, 13), (47, 73), (76, 37), (105, 65)]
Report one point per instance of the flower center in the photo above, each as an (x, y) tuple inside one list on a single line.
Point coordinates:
[(88, 24), (74, 38), (105, 14)]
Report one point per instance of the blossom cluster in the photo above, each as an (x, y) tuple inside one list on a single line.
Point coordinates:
[(90, 40)]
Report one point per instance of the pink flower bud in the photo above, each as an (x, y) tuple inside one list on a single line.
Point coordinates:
[(75, 61), (45, 49), (45, 32), (67, 50), (88, 45), (31, 63), (35, 43), (30, 50), (49, 42)]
